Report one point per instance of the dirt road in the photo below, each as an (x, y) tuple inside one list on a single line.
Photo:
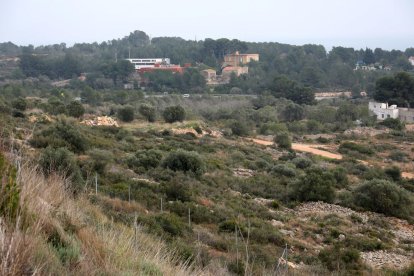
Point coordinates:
[(304, 148)]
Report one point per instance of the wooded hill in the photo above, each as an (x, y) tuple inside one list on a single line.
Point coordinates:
[(309, 65)]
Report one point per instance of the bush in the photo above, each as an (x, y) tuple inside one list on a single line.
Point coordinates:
[(350, 146), (145, 159), (341, 177), (55, 106), (10, 192), (301, 162), (19, 104), (75, 109), (385, 197), (148, 112), (392, 123), (185, 161), (62, 134), (343, 258), (399, 156), (178, 189), (99, 160), (174, 114), (238, 128), (171, 224), (314, 186), (63, 162), (126, 114), (394, 172), (283, 141), (284, 169)]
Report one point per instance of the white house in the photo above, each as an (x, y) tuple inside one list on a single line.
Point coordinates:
[(140, 63), (383, 110), (411, 60)]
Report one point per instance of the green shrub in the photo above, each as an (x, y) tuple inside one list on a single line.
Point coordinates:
[(126, 114), (62, 134), (345, 259), (178, 188), (350, 146), (284, 169), (198, 129), (394, 172), (398, 156), (392, 123), (75, 109), (283, 141), (62, 161), (98, 160), (10, 192), (314, 186), (173, 114), (341, 176), (301, 162), (148, 112), (55, 106), (239, 128), (145, 158), (186, 161), (19, 104), (272, 128), (385, 197), (171, 224)]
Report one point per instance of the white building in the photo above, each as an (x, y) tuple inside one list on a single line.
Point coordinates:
[(411, 60), (383, 110), (140, 63)]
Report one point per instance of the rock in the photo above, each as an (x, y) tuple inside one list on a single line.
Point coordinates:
[(277, 223), (341, 237)]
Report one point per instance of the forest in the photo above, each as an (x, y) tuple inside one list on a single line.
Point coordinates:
[(310, 66)]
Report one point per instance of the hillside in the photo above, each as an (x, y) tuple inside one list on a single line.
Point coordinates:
[(204, 195), (308, 65)]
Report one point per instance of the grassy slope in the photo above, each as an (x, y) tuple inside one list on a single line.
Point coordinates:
[(55, 234)]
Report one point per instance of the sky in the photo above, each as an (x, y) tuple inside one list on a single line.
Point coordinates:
[(388, 24)]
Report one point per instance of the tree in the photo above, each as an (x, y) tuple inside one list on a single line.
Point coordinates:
[(283, 87), (397, 89), (293, 112), (75, 109), (126, 114), (283, 140), (385, 197), (148, 112), (19, 104), (174, 114), (186, 161), (369, 57), (314, 186), (239, 128)]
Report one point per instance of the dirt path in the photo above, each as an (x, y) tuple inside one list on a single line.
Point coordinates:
[(304, 148), (407, 175), (313, 149)]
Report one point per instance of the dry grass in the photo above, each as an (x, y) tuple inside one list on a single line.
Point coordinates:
[(55, 234)]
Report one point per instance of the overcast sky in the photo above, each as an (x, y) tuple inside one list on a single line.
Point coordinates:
[(388, 24)]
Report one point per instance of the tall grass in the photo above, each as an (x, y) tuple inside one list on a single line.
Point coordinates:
[(56, 234)]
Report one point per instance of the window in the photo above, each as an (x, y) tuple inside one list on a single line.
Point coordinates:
[(388, 116), (382, 115)]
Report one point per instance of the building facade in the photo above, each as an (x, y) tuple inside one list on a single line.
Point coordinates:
[(383, 110), (237, 59), (140, 63)]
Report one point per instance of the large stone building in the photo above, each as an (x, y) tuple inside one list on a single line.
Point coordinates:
[(237, 59)]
